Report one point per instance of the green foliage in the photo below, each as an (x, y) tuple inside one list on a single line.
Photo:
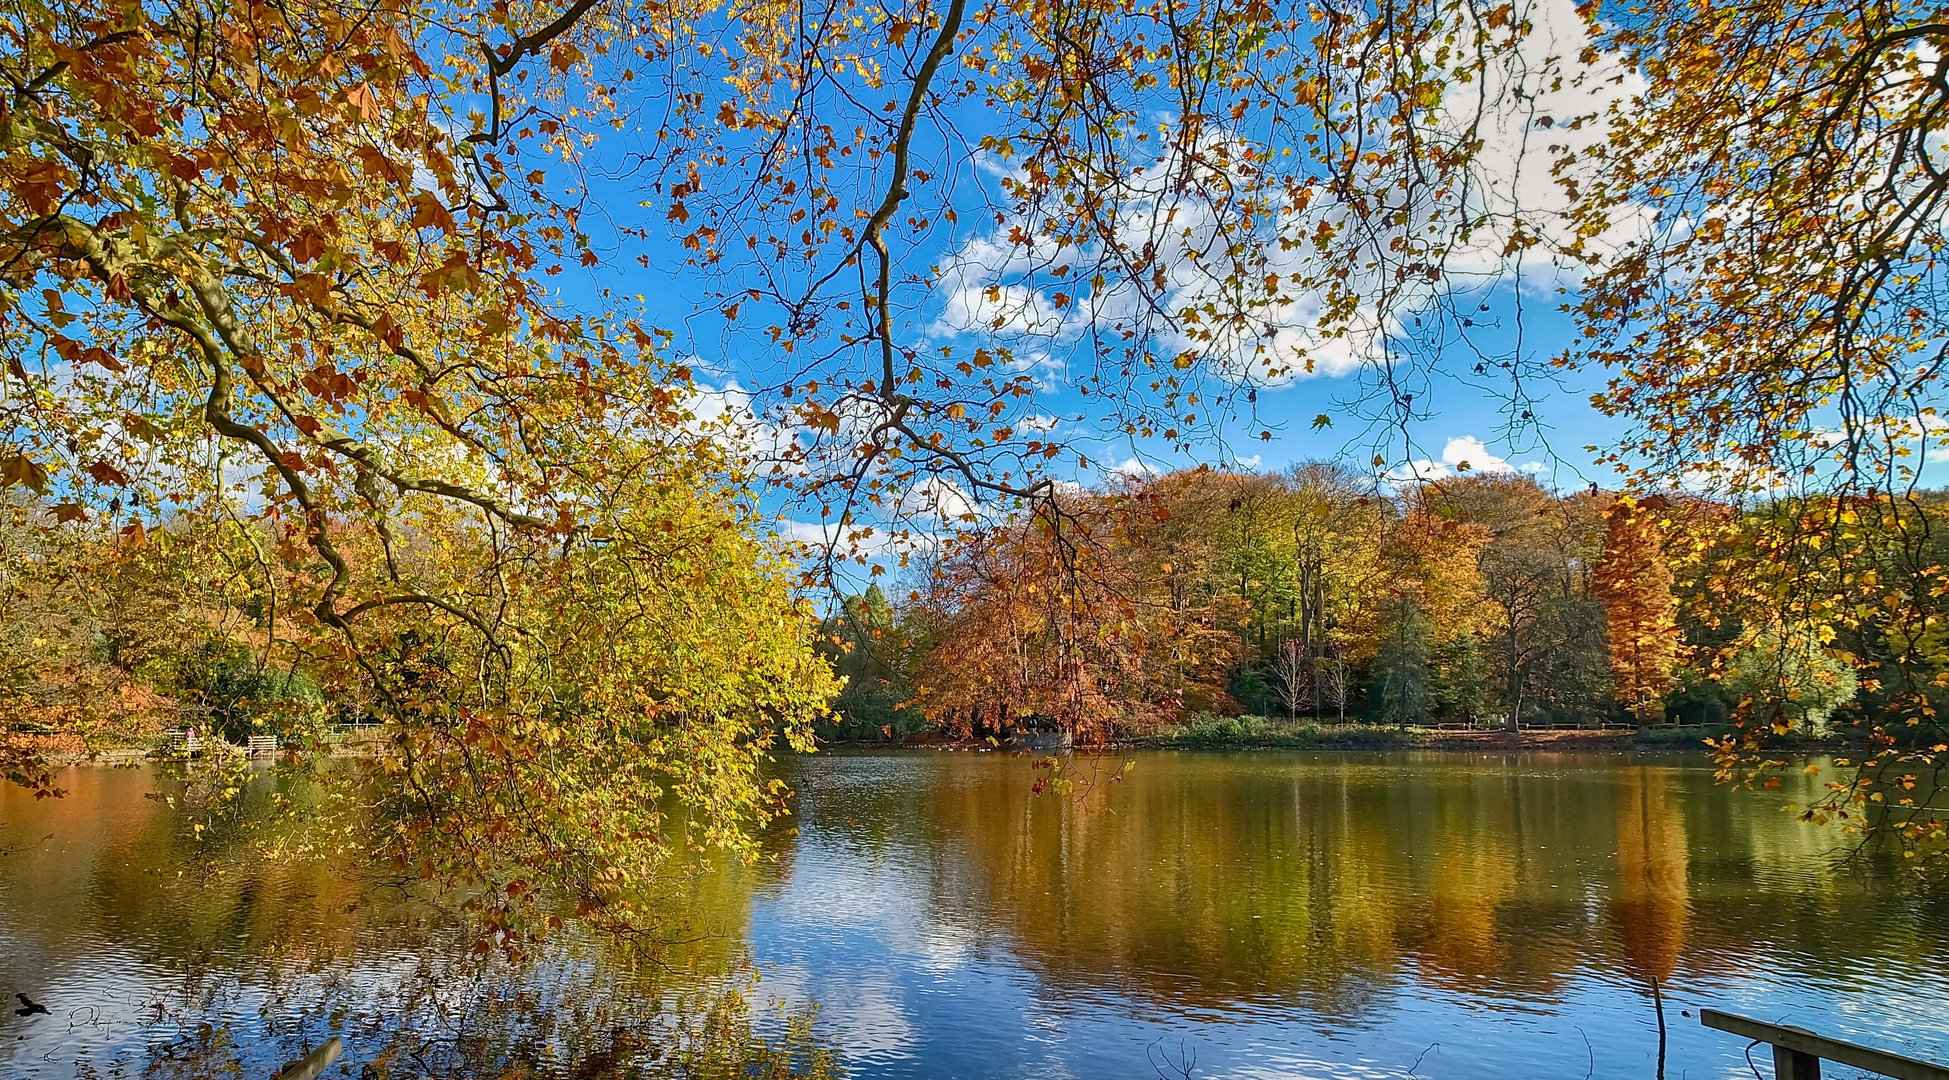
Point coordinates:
[(1791, 680), (1404, 668), (1209, 730), (241, 693), (1571, 676), (870, 646), (1464, 691), (1701, 699), (1256, 688)]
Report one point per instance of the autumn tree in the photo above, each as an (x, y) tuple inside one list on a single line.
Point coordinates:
[(1542, 633), (1774, 324), (1200, 568), (90, 618), (1335, 679), (322, 243), (1295, 679), (1633, 581), (1520, 583), (287, 266), (1021, 643), (1436, 561)]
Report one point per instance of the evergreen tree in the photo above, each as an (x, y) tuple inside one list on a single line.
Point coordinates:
[(1464, 690), (1570, 678), (1403, 665)]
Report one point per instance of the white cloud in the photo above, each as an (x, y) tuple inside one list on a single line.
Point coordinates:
[(1729, 478), (1462, 455), (1538, 103), (822, 538), (1470, 453), (935, 502), (726, 414), (1925, 424)]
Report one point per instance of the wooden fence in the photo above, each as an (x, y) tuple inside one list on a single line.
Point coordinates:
[(188, 743)]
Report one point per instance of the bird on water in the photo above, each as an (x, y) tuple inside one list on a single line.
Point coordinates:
[(29, 1007)]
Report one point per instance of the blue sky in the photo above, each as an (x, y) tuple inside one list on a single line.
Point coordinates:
[(1462, 420), (961, 287), (964, 287)]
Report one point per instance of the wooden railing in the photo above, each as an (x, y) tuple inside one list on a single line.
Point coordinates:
[(187, 742), (1797, 1052)]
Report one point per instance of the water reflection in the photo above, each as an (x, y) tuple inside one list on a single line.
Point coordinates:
[(166, 944), (1263, 915), (1652, 900), (1207, 881), (1287, 909)]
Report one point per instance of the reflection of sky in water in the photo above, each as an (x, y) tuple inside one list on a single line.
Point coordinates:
[(1264, 916), (111, 1004), (917, 979)]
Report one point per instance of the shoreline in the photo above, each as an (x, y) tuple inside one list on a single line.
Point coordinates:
[(1362, 738), (1352, 739), (1349, 738), (127, 755)]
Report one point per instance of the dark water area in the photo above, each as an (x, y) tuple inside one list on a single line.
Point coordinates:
[(1222, 915)]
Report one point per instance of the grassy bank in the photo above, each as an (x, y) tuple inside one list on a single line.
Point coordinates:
[(1212, 732), (1278, 733), (1207, 731)]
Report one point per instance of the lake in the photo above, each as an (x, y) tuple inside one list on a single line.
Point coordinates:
[(1213, 915)]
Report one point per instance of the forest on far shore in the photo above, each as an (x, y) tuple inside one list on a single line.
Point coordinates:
[(1475, 600)]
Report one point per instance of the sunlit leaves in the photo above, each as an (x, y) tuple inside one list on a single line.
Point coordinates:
[(1634, 583)]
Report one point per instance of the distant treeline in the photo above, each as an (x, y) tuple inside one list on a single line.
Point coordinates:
[(1315, 592), (1310, 593)]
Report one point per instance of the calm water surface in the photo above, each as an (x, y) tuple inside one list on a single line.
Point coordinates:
[(1225, 915)]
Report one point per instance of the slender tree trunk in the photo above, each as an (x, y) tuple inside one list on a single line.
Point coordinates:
[(1515, 721)]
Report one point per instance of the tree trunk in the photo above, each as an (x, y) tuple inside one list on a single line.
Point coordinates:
[(1515, 721)]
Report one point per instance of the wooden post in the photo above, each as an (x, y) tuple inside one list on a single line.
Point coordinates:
[(1658, 1005), (1790, 1064), (314, 1064)]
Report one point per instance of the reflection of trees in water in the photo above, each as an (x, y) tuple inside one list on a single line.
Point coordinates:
[(1207, 880), (1190, 888), (549, 1017), (1196, 881), (1651, 901), (203, 955)]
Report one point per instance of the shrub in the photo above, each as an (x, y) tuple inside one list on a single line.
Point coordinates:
[(242, 695)]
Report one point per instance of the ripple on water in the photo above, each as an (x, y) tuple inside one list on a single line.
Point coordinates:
[(1268, 915)]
